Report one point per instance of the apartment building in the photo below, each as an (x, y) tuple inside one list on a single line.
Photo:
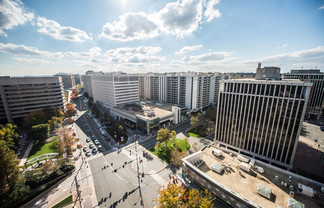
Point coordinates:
[(68, 80), (262, 118), (22, 95), (316, 101), (115, 89), (193, 90)]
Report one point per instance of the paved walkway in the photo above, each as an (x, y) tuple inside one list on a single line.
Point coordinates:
[(150, 166), (24, 158), (201, 142)]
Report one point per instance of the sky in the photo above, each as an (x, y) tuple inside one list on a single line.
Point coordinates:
[(45, 37)]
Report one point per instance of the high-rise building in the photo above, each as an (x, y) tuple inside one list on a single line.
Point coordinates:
[(22, 95), (115, 89), (192, 90), (316, 101), (87, 82), (77, 79), (262, 118), (67, 79)]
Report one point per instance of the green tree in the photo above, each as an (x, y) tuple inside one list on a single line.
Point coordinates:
[(54, 122), (211, 114), (165, 134), (39, 132), (35, 118), (12, 184), (8, 134)]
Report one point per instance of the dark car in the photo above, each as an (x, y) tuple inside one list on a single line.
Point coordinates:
[(91, 146), (322, 128), (88, 139), (85, 149), (94, 151), (108, 139), (88, 154)]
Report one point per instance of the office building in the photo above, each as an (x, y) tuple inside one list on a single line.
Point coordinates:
[(114, 89), (262, 118), (68, 80), (77, 79), (316, 100), (87, 87), (22, 95)]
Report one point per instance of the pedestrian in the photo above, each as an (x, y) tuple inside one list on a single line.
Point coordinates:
[(173, 181)]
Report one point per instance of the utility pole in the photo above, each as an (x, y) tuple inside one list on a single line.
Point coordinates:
[(138, 176)]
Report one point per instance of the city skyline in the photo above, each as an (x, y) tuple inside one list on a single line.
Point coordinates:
[(48, 37)]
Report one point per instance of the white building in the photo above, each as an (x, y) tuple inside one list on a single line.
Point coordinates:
[(190, 89), (115, 89), (21, 95)]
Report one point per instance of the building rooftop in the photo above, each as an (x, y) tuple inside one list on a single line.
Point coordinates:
[(246, 184), (269, 81), (147, 109)]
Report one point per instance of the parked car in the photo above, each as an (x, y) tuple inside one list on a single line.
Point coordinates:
[(88, 139), (85, 149), (108, 139), (100, 148), (96, 142), (91, 146), (88, 154), (94, 151), (322, 128)]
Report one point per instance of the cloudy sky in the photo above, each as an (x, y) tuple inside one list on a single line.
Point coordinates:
[(44, 37)]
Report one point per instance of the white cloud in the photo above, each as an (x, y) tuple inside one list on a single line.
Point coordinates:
[(131, 26), (179, 18), (33, 61), (12, 13), (54, 29), (142, 54), (211, 12), (187, 49), (302, 55), (26, 50), (207, 57), (321, 8)]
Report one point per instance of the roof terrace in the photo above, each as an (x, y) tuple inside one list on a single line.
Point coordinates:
[(278, 182)]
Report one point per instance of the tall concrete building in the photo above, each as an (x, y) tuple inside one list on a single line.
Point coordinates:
[(87, 82), (262, 118), (77, 79), (316, 101), (22, 95), (192, 90), (68, 80), (115, 89)]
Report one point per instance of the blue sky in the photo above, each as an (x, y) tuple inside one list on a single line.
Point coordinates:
[(44, 37)]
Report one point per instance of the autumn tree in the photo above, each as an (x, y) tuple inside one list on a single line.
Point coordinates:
[(172, 196), (197, 198), (176, 157), (39, 132), (164, 135), (195, 146), (70, 110), (195, 121), (54, 122), (8, 134)]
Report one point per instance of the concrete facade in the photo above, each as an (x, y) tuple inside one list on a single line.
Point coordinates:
[(262, 118), (316, 100), (20, 96)]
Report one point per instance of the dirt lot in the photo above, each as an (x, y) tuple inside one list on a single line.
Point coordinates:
[(309, 158)]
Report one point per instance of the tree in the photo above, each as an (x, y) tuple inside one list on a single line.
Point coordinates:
[(8, 134), (39, 132), (195, 146), (35, 118), (199, 199), (12, 184), (173, 196), (176, 157), (211, 114), (70, 110), (54, 122), (195, 121), (186, 141), (164, 135)]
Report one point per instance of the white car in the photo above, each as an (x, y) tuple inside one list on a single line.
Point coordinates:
[(96, 142)]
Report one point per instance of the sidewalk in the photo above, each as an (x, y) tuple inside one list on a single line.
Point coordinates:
[(150, 166), (24, 158)]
